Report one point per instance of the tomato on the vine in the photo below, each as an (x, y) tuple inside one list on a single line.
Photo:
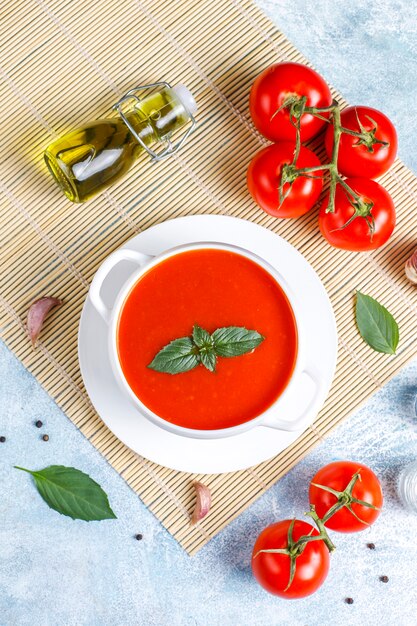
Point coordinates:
[(265, 174), (372, 154), (363, 225), (288, 83), (273, 570), (353, 482)]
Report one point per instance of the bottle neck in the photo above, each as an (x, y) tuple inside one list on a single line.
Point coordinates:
[(143, 129), (156, 118)]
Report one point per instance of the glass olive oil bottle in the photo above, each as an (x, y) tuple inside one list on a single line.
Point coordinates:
[(91, 158)]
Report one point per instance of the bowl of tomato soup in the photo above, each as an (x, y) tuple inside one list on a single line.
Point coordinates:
[(213, 285)]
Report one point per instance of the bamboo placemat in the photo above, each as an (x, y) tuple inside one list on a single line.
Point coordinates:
[(65, 63)]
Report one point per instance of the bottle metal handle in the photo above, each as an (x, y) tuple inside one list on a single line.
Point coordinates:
[(170, 148)]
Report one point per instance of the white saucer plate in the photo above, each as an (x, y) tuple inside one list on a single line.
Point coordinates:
[(229, 453)]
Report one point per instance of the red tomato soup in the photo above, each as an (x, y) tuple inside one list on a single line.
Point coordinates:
[(212, 288)]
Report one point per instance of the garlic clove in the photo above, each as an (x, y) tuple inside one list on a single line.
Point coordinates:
[(411, 268), (203, 503), (37, 313)]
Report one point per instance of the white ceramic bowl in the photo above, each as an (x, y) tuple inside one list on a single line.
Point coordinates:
[(271, 417)]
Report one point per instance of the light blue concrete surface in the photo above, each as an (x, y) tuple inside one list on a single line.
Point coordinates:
[(58, 572)]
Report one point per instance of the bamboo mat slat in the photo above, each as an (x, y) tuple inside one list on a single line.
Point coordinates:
[(64, 63)]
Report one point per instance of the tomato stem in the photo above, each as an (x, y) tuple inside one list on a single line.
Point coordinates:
[(314, 168), (335, 152), (321, 528), (317, 111), (297, 108), (361, 207)]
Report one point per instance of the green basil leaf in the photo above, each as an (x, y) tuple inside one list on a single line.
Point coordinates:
[(208, 359), (201, 337), (184, 354), (71, 492), (376, 324), (234, 341), (180, 355)]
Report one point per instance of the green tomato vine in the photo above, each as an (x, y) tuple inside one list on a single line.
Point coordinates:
[(297, 107)]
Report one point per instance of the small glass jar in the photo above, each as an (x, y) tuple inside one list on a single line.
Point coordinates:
[(87, 160), (407, 486)]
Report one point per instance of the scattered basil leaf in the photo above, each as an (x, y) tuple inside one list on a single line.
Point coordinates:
[(71, 492), (376, 324), (234, 341), (201, 337), (208, 359), (178, 356)]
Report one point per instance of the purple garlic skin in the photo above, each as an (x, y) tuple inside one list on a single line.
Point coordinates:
[(411, 268), (37, 313), (203, 503)]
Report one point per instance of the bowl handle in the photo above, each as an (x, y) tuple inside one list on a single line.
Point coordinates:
[(124, 254), (304, 419)]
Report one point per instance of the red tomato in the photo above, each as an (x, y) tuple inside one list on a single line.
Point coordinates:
[(337, 476), (273, 87), (359, 159), (272, 571), (264, 177), (357, 235)]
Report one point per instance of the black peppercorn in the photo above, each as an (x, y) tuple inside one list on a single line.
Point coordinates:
[(384, 579), (38, 424), (2, 439), (349, 600), (45, 437), (138, 536), (371, 546)]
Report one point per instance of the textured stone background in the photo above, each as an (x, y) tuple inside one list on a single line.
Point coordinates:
[(58, 572)]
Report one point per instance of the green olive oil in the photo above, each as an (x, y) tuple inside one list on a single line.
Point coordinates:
[(89, 159)]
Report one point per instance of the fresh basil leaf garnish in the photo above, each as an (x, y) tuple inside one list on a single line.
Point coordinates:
[(184, 354), (181, 355), (234, 341), (208, 359), (201, 337)]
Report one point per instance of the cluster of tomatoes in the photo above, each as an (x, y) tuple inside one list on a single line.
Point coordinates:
[(290, 104), (291, 558)]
